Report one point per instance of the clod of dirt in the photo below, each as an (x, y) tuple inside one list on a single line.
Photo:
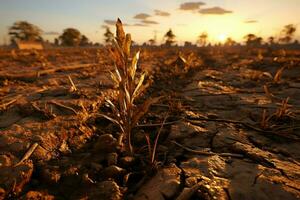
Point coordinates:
[(50, 175), (165, 183), (105, 190), (36, 195), (112, 159), (106, 144), (13, 179), (5, 161), (187, 192), (113, 172)]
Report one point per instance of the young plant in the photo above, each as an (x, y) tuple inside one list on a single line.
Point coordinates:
[(125, 113)]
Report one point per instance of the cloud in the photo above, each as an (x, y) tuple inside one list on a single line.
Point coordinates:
[(51, 33), (191, 5), (139, 24), (149, 22), (161, 13), (214, 11), (250, 21), (112, 22), (142, 16)]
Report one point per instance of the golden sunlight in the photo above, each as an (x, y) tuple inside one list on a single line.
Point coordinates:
[(222, 37)]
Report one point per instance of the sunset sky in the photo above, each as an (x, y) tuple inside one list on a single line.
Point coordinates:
[(219, 18)]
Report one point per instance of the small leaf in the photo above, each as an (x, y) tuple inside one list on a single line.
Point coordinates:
[(114, 78), (113, 107), (119, 77), (134, 65), (120, 33), (128, 99), (138, 86), (278, 74), (127, 45), (141, 89)]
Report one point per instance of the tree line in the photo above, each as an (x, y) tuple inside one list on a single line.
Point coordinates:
[(25, 31)]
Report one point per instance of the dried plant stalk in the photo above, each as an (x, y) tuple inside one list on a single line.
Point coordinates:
[(125, 113)]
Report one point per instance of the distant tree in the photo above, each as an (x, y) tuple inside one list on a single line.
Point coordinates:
[(152, 42), (230, 42), (271, 40), (84, 41), (70, 37), (202, 39), (170, 38), (56, 41), (288, 33), (22, 30), (187, 44), (109, 36), (253, 40)]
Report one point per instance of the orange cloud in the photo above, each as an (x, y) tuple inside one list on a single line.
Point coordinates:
[(191, 5), (161, 13), (214, 11)]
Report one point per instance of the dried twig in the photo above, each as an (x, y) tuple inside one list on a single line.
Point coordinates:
[(63, 106), (73, 88), (158, 124), (156, 139), (5, 105), (207, 153), (27, 154)]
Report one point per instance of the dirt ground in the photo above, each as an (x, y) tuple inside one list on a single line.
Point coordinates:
[(232, 128)]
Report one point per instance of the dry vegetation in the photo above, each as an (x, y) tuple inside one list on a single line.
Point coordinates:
[(160, 123)]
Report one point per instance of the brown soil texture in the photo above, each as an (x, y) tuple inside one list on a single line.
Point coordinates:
[(232, 127)]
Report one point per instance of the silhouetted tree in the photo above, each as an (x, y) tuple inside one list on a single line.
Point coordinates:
[(70, 37), (22, 30), (169, 37), (152, 42), (109, 36), (253, 40), (84, 41), (288, 33), (202, 39), (56, 41), (230, 42), (271, 40)]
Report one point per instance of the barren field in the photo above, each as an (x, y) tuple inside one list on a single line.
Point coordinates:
[(228, 119)]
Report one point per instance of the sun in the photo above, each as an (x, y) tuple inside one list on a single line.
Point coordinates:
[(222, 37)]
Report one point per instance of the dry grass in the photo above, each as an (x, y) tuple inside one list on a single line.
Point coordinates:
[(282, 113), (129, 86)]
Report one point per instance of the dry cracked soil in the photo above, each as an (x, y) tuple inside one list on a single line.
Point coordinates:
[(232, 128)]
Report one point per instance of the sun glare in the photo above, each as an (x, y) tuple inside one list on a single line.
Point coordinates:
[(222, 37)]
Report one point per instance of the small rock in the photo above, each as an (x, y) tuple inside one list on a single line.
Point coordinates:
[(13, 179), (169, 188), (113, 172), (187, 193), (95, 166), (5, 161), (106, 144), (105, 190), (35, 195), (51, 175), (190, 181), (112, 159), (207, 166), (165, 183)]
